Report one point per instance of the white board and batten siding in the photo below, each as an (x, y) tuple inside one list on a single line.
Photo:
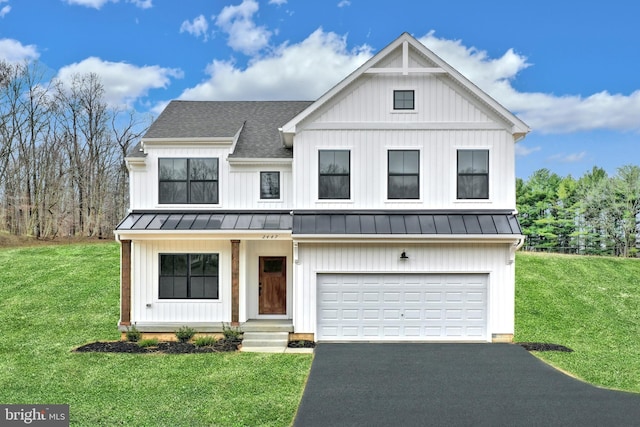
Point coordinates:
[(473, 284), (238, 185), (148, 309), (446, 118)]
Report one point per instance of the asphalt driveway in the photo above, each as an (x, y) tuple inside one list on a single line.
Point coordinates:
[(451, 385)]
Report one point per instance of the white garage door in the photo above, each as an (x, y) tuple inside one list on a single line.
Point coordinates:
[(402, 307)]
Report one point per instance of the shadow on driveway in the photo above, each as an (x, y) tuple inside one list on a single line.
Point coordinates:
[(451, 385)]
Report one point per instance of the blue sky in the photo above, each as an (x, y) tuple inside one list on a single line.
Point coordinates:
[(571, 72)]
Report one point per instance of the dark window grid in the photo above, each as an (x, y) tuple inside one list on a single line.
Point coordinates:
[(410, 187), (403, 100), (189, 184), (187, 276), (334, 183), (270, 185), (473, 184)]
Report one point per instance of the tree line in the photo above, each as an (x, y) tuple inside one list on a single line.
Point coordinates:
[(62, 149), (596, 214)]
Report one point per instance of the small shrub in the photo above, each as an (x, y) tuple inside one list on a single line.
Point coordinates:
[(150, 342), (231, 334), (133, 334), (205, 341), (185, 333)]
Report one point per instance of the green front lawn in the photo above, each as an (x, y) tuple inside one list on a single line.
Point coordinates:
[(56, 298), (589, 304)]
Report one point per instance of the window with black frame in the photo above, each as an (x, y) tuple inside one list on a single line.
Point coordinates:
[(269, 185), (473, 174), (403, 174), (334, 174), (188, 276), (188, 181), (404, 100)]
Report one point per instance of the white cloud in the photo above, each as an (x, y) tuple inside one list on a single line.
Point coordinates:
[(198, 27), (523, 151), (291, 72), (123, 82), (97, 4), (344, 3), (142, 4), (244, 35), (6, 9), (568, 158), (13, 51), (278, 2), (546, 113)]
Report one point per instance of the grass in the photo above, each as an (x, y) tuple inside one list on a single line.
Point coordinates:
[(590, 304), (56, 298)]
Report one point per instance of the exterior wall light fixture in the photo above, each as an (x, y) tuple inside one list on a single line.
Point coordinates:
[(404, 256)]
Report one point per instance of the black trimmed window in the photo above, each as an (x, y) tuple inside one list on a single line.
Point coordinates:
[(188, 276), (269, 185), (403, 168), (334, 174), (191, 181), (473, 174), (404, 100)]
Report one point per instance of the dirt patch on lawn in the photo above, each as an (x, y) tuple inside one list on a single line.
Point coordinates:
[(541, 346)]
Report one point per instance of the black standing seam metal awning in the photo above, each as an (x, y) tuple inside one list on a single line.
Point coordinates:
[(305, 223), (164, 221)]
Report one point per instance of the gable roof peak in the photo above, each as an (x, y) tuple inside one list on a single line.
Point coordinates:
[(519, 128)]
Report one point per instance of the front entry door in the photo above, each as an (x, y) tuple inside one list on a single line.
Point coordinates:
[(272, 293)]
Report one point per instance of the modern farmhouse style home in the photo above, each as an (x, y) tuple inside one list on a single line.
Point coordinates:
[(383, 211)]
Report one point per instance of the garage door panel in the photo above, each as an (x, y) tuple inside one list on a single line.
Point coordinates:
[(402, 307)]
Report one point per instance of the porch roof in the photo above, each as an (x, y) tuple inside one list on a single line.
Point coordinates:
[(161, 221), (414, 223), (330, 223)]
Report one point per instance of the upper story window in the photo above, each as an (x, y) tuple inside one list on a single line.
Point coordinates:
[(269, 185), (334, 174), (403, 174), (188, 181), (188, 276), (404, 100), (473, 174)]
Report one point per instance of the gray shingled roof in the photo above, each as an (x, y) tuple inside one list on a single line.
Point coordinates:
[(210, 119)]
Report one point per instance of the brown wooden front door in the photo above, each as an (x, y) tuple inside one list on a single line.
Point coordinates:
[(272, 294)]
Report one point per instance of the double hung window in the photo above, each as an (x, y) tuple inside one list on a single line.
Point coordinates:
[(334, 174), (403, 174), (473, 174), (269, 185)]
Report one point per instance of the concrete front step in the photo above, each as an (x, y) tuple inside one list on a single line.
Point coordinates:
[(267, 326), (267, 342)]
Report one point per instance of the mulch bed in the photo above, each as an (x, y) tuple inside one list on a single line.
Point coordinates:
[(301, 344), (541, 346), (168, 347)]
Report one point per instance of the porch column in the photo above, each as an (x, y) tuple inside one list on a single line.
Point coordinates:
[(235, 282), (125, 282)]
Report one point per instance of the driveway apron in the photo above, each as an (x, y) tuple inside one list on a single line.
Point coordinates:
[(451, 385)]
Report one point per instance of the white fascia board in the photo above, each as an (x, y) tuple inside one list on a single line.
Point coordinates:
[(407, 238), (160, 142), (244, 161), (202, 235)]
